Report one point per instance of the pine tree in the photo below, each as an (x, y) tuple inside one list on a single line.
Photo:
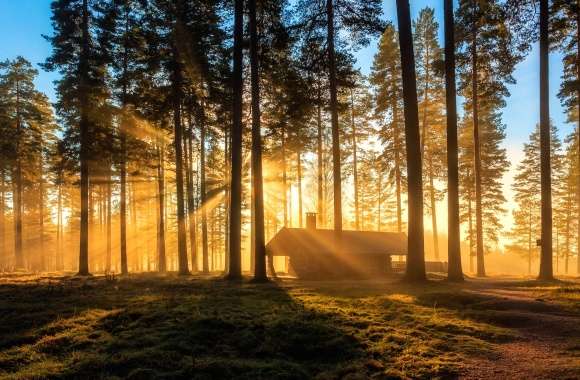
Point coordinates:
[(415, 270), (387, 81), (430, 85), (487, 55), (455, 271), (527, 190)]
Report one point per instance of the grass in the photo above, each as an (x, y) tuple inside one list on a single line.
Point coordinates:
[(150, 327)]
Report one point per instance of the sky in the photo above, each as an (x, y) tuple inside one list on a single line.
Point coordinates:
[(22, 23)]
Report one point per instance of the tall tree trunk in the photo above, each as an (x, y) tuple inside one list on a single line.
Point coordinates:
[(161, 259), (477, 154), (433, 210), (546, 270), (41, 214), (454, 270), (284, 176), (319, 201), (17, 188), (380, 198), (109, 221), (191, 201), (235, 270), (178, 146), (123, 132), (415, 248), (204, 243), (398, 187), (336, 171), (226, 201), (529, 240), (299, 180), (85, 140), (59, 229), (578, 133), (471, 243), (567, 244), (354, 163), (3, 214), (257, 181)]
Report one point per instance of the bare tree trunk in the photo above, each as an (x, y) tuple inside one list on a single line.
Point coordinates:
[(477, 154), (178, 130), (398, 187), (546, 270), (235, 270), (85, 140), (336, 171), (161, 259), (284, 176), (354, 164), (109, 222), (415, 270), (59, 229), (204, 244), (299, 180), (319, 201), (257, 181), (455, 271), (471, 243), (433, 210)]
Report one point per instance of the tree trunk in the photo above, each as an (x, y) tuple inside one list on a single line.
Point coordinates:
[(546, 270), (284, 176), (235, 270), (578, 127), (59, 230), (19, 255), (454, 271), (415, 270), (178, 130), (471, 245), (477, 154), (109, 217), (85, 140), (161, 263), (257, 182), (3, 215), (398, 186), (336, 171), (299, 180), (354, 164), (319, 201), (205, 253), (191, 202), (433, 210)]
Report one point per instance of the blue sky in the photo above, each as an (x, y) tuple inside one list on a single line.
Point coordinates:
[(22, 22)]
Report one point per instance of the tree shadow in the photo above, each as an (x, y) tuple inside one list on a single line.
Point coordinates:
[(168, 327)]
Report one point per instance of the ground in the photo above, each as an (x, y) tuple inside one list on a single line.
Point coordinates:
[(149, 327)]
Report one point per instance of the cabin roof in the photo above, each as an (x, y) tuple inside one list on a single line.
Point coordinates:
[(301, 240)]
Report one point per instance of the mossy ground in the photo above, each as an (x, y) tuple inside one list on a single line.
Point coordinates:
[(149, 327)]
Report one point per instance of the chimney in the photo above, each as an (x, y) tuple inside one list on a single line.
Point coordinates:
[(310, 220)]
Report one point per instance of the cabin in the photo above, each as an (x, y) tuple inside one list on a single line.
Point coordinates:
[(314, 253)]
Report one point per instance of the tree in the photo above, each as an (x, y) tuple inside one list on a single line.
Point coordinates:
[(455, 272), (415, 270), (487, 55), (546, 272), (386, 79), (527, 189), (235, 264), (358, 19), (257, 185), (428, 55)]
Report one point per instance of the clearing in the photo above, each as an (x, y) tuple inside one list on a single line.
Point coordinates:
[(153, 327)]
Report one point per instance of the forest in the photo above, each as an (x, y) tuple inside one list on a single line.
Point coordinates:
[(216, 189)]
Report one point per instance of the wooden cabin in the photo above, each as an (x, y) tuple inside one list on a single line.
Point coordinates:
[(318, 253)]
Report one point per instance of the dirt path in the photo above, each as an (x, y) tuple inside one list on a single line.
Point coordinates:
[(548, 342)]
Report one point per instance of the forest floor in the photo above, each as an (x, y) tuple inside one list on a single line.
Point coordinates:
[(152, 326)]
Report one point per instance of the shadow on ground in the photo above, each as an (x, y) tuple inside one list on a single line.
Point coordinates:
[(149, 327)]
